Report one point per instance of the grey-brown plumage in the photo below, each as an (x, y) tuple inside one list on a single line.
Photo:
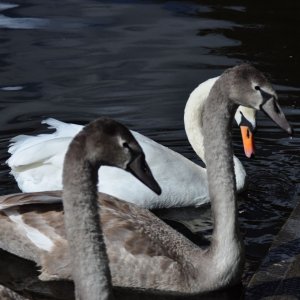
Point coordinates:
[(143, 251), (102, 142), (7, 294)]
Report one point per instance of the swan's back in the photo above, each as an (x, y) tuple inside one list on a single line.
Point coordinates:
[(41, 170), (134, 238)]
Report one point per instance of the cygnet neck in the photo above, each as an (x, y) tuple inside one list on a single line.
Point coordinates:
[(218, 113), (91, 272)]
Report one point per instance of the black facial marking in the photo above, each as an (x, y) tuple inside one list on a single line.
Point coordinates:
[(276, 108), (245, 122), (266, 96), (133, 152)]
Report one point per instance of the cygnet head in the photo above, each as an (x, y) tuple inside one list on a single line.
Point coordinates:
[(107, 142), (247, 86)]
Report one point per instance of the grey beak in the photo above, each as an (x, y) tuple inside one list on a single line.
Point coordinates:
[(140, 169), (272, 109)]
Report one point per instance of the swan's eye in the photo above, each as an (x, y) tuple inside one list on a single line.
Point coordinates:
[(257, 87), (125, 145)]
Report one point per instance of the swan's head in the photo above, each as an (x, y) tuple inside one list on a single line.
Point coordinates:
[(249, 87), (245, 117), (107, 142)]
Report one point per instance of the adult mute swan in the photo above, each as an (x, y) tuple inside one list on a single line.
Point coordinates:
[(36, 161), (143, 252)]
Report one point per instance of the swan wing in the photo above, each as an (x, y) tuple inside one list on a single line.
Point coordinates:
[(132, 236), (38, 167), (20, 199), (36, 163), (46, 151), (28, 150)]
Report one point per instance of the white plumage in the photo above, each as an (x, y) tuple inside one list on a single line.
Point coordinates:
[(36, 163)]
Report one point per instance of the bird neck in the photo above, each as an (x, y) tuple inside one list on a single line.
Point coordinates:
[(91, 272), (226, 247), (193, 122), (193, 116)]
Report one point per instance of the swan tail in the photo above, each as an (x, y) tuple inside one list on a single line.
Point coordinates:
[(62, 129), (26, 149)]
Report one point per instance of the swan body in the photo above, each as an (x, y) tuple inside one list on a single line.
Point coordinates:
[(143, 251), (36, 162)]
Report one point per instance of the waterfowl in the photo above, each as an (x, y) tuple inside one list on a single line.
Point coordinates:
[(103, 142), (143, 251), (36, 161), (7, 294)]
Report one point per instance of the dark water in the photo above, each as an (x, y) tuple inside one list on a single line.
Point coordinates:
[(137, 61)]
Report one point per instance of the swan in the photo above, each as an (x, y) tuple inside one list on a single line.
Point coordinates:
[(103, 142), (143, 251), (36, 162)]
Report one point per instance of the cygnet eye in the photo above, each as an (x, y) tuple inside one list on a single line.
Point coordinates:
[(125, 145), (257, 87)]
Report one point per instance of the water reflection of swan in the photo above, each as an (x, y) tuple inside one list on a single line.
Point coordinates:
[(143, 251), (36, 162)]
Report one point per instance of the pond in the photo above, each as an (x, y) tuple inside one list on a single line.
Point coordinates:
[(137, 62)]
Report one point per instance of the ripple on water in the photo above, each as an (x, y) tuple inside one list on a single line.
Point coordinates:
[(138, 61)]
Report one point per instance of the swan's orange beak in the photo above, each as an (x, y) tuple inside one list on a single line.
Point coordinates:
[(248, 141)]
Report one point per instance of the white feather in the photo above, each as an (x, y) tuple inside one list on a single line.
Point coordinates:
[(36, 163), (35, 236)]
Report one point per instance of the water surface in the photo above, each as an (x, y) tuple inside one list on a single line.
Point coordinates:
[(137, 61)]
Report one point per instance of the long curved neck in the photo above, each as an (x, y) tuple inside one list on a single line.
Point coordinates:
[(226, 247), (91, 272), (193, 115), (193, 123)]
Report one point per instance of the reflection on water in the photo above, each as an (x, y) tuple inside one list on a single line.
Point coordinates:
[(137, 61), (21, 23)]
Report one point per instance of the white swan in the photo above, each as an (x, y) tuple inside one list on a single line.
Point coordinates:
[(143, 252), (36, 161)]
